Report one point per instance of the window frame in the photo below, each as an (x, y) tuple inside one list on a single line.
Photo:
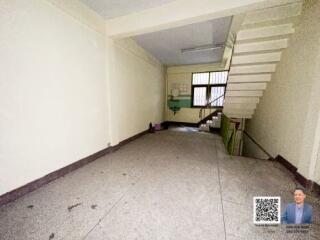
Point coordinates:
[(208, 88)]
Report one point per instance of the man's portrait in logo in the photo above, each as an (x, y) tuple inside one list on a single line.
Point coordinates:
[(298, 212)]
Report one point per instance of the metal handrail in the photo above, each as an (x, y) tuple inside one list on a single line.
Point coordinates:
[(209, 103), (252, 139), (258, 145)]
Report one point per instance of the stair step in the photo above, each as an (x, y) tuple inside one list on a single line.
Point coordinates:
[(275, 13), (256, 58), (241, 100), (234, 115), (261, 68), (204, 127), (240, 111), (246, 86), (249, 78), (261, 46), (244, 93), (264, 32), (240, 105)]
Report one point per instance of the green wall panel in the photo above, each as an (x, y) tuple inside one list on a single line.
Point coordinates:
[(228, 133), (181, 103)]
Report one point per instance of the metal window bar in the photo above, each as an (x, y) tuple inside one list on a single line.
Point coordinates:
[(204, 107)]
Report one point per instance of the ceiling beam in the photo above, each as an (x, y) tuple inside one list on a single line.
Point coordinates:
[(180, 13)]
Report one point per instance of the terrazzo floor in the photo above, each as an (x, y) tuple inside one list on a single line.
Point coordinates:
[(172, 184)]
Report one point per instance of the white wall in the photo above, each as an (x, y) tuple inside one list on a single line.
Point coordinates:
[(137, 88), (59, 79), (317, 167), (286, 118)]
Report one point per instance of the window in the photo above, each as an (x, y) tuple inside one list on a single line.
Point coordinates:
[(208, 86)]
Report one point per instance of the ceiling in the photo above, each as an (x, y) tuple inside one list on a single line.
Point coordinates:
[(116, 8), (166, 45)]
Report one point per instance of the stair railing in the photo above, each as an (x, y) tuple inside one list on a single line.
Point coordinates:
[(258, 145), (202, 110)]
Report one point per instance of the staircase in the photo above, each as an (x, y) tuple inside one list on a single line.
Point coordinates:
[(213, 121), (257, 50)]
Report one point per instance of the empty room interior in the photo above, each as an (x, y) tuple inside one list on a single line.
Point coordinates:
[(159, 119)]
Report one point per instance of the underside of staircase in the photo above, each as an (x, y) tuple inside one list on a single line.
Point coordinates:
[(257, 50)]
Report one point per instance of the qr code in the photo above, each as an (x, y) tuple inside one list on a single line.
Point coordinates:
[(266, 210)]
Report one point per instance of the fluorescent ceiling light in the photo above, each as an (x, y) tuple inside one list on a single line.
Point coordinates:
[(203, 48)]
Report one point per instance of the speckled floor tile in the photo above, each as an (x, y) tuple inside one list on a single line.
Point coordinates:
[(175, 184)]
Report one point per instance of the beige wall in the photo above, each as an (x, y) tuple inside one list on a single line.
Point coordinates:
[(66, 91), (183, 75), (286, 118), (314, 110), (136, 88), (317, 167)]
